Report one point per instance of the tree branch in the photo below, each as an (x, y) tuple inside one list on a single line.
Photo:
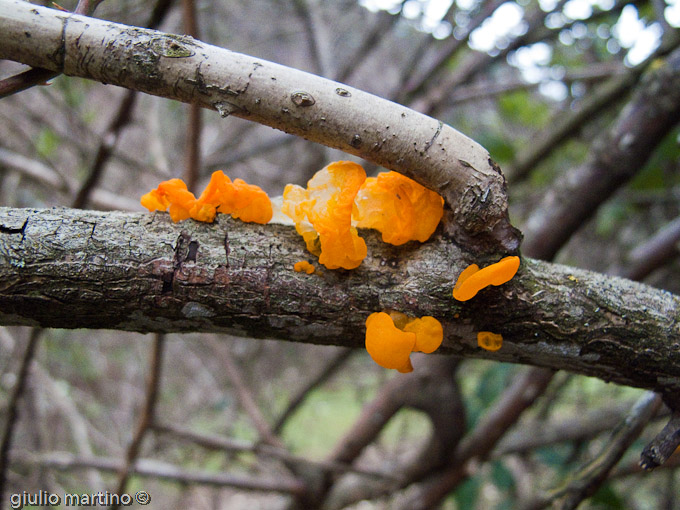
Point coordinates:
[(67, 268), (320, 110)]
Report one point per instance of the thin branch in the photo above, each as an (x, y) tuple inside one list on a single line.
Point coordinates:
[(432, 384), (445, 53), (245, 396), (432, 100), (192, 154), (36, 75), (149, 468), (121, 118), (664, 444), (147, 417), (567, 125), (585, 482), (480, 442), (215, 442), (491, 87), (654, 253), (25, 80), (382, 26), (541, 433), (13, 407), (326, 372), (313, 33)]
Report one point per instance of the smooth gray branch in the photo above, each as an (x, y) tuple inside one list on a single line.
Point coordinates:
[(317, 109)]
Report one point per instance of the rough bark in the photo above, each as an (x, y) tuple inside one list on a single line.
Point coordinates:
[(182, 68), (67, 268)]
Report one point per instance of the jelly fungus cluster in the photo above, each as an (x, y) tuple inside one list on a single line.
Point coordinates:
[(243, 201), (391, 338), (323, 214), (339, 199)]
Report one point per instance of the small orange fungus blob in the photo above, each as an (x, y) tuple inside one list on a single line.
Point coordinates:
[(429, 333), (400, 208), (489, 341), (387, 345), (243, 201), (391, 338), (473, 279), (323, 214), (304, 266)]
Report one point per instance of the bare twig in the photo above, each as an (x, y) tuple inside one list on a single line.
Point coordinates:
[(432, 389), (537, 434), (313, 33), (192, 155), (36, 75), (479, 443), (216, 442), (326, 372), (13, 407), (664, 444), (244, 394), (25, 80), (122, 118), (149, 468), (446, 51), (583, 484), (660, 249), (147, 417)]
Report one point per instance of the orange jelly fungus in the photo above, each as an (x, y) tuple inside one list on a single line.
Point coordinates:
[(489, 341), (323, 214), (429, 333), (304, 266), (243, 201), (391, 338), (389, 346), (473, 279), (400, 208)]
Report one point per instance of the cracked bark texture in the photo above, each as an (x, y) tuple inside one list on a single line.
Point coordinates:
[(67, 268), (317, 109)]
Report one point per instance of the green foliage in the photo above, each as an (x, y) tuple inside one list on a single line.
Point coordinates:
[(467, 493), (47, 142), (482, 384), (523, 107), (607, 499), (611, 216), (501, 476), (324, 418), (658, 174)]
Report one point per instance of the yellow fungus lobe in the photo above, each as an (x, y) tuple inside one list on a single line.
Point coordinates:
[(391, 338), (243, 201), (429, 333), (489, 341), (304, 266), (323, 214), (473, 279), (387, 345), (400, 208)]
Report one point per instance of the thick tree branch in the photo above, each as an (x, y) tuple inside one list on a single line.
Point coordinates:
[(140, 272), (320, 110)]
